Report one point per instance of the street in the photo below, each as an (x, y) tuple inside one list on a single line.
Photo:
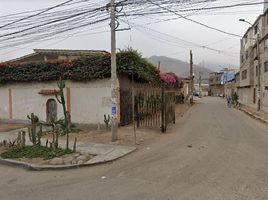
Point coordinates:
[(213, 152)]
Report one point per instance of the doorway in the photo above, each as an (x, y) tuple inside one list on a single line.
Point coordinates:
[(51, 110)]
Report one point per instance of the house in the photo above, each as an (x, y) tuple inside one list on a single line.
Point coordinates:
[(215, 84), (230, 87), (50, 55), (29, 84), (203, 89), (186, 86)]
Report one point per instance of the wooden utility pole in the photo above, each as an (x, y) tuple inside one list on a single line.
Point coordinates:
[(113, 73), (133, 109), (200, 85), (259, 96), (191, 78)]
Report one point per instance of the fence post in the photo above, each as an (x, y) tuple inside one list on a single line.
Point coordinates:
[(163, 128)]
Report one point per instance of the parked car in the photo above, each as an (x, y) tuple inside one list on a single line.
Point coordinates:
[(196, 94)]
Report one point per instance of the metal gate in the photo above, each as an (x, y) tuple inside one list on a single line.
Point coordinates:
[(148, 107), (125, 107), (154, 107), (168, 111)]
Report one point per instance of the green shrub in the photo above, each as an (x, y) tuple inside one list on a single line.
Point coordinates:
[(90, 67), (34, 152)]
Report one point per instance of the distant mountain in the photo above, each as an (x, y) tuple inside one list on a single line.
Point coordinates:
[(179, 67), (216, 66)]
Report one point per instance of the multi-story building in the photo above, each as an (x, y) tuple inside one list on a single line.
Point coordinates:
[(249, 64), (215, 84)]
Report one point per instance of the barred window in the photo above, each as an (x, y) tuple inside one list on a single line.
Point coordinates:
[(244, 74), (266, 66)]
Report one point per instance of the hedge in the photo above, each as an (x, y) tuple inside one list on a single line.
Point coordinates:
[(91, 67)]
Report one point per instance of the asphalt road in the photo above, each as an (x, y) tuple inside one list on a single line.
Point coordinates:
[(213, 153)]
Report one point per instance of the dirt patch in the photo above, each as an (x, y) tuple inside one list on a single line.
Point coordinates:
[(126, 134)]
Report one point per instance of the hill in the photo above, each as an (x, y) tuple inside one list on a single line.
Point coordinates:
[(179, 67)]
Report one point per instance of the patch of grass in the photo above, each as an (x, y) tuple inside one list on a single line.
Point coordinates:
[(34, 152), (75, 130)]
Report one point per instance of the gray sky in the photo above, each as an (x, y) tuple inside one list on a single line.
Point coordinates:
[(151, 43)]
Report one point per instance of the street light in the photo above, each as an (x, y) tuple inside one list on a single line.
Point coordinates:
[(259, 62)]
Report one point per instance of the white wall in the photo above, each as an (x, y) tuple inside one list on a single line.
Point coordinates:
[(89, 100), (4, 107)]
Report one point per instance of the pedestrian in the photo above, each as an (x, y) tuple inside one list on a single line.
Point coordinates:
[(229, 101)]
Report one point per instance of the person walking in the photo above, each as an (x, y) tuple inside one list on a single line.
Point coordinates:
[(229, 101)]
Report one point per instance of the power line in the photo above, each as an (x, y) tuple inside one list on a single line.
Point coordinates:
[(191, 44), (47, 23), (194, 21), (34, 15), (222, 7)]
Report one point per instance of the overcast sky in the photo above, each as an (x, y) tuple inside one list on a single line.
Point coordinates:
[(149, 44)]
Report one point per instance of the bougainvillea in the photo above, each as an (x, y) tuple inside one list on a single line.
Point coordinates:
[(171, 79)]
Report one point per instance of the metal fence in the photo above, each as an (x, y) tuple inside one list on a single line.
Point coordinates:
[(154, 107)]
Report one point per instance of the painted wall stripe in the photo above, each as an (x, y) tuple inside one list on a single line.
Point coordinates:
[(69, 100)]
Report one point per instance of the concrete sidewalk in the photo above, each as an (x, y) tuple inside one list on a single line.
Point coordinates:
[(259, 115), (104, 152)]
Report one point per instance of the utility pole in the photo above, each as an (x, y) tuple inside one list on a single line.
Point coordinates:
[(200, 85), (113, 72), (159, 65), (191, 78), (259, 72), (133, 109)]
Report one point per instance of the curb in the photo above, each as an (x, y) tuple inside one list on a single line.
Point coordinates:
[(33, 167), (253, 115)]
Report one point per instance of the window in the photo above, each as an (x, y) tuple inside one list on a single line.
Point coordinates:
[(244, 74), (245, 40), (257, 71), (246, 55), (256, 29), (266, 43), (266, 66), (242, 58)]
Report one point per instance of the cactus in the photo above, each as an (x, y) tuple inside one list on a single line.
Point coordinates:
[(19, 139), (33, 135), (4, 143), (74, 148), (23, 139), (67, 116), (39, 134), (67, 141), (107, 121), (61, 100), (55, 140)]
